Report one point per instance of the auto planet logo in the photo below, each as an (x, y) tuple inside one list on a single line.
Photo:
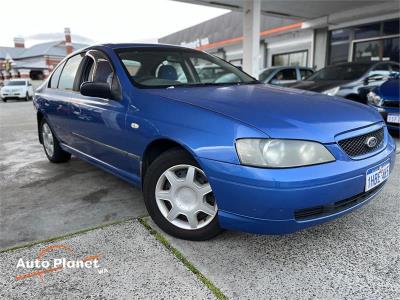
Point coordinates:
[(42, 265)]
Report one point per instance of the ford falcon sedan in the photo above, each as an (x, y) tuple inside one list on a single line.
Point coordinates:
[(208, 156)]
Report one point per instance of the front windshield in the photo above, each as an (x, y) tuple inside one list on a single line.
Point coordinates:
[(14, 83), (340, 72), (150, 67)]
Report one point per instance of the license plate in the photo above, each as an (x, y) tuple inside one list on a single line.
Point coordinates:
[(393, 118), (377, 175)]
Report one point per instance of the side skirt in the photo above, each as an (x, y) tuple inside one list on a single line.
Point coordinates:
[(131, 178)]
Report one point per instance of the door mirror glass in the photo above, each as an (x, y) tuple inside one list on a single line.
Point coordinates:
[(96, 89)]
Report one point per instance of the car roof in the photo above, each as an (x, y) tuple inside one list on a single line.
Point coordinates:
[(367, 63), (144, 45), (285, 67)]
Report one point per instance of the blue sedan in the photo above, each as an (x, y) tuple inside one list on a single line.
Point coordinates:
[(208, 156), (386, 99)]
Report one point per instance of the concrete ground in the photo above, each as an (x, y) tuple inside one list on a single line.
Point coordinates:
[(354, 257), (39, 199), (133, 265)]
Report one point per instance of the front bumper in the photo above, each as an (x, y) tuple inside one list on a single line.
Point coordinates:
[(384, 111), (12, 95), (265, 201)]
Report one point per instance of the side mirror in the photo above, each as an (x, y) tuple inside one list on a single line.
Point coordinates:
[(96, 89)]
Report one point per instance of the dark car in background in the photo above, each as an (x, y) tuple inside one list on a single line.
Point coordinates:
[(386, 99), (349, 80), (284, 75)]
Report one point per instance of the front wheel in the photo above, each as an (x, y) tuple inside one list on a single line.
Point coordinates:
[(51, 145), (179, 197), (26, 97)]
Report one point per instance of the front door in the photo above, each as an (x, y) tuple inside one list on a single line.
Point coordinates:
[(99, 127)]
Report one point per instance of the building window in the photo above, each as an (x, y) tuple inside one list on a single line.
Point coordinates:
[(391, 27), (298, 58), (367, 31), (376, 50), (391, 49), (339, 53), (376, 41)]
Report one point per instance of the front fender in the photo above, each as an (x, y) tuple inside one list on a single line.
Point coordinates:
[(203, 133)]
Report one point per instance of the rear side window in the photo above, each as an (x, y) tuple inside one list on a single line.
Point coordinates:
[(287, 74), (56, 76), (68, 74), (382, 67)]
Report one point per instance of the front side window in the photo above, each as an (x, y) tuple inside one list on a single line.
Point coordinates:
[(290, 59), (170, 67), (68, 74), (381, 67), (97, 68)]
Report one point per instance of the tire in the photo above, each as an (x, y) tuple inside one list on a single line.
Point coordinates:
[(26, 97), (187, 199), (49, 141), (4, 99)]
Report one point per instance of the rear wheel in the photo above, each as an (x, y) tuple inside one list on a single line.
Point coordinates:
[(179, 197), (51, 145)]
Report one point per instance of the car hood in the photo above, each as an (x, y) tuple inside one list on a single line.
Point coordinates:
[(317, 86), (278, 112), (390, 90)]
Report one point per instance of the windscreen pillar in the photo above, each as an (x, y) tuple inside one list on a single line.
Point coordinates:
[(251, 36)]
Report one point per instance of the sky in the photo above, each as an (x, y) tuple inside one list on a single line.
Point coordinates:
[(98, 21)]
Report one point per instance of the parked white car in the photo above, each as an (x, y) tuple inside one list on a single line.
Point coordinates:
[(17, 89)]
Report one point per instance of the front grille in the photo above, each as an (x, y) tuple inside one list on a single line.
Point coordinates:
[(391, 103), (356, 146), (325, 210)]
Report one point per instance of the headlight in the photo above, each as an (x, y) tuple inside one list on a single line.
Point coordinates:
[(374, 99), (331, 92), (274, 153)]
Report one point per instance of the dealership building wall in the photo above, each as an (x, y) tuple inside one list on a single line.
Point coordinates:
[(286, 41)]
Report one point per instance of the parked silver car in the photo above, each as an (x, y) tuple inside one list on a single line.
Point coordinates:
[(284, 75)]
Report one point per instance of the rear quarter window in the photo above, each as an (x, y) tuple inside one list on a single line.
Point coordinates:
[(56, 76)]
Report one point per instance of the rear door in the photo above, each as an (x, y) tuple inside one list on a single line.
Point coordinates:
[(56, 98), (98, 124)]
